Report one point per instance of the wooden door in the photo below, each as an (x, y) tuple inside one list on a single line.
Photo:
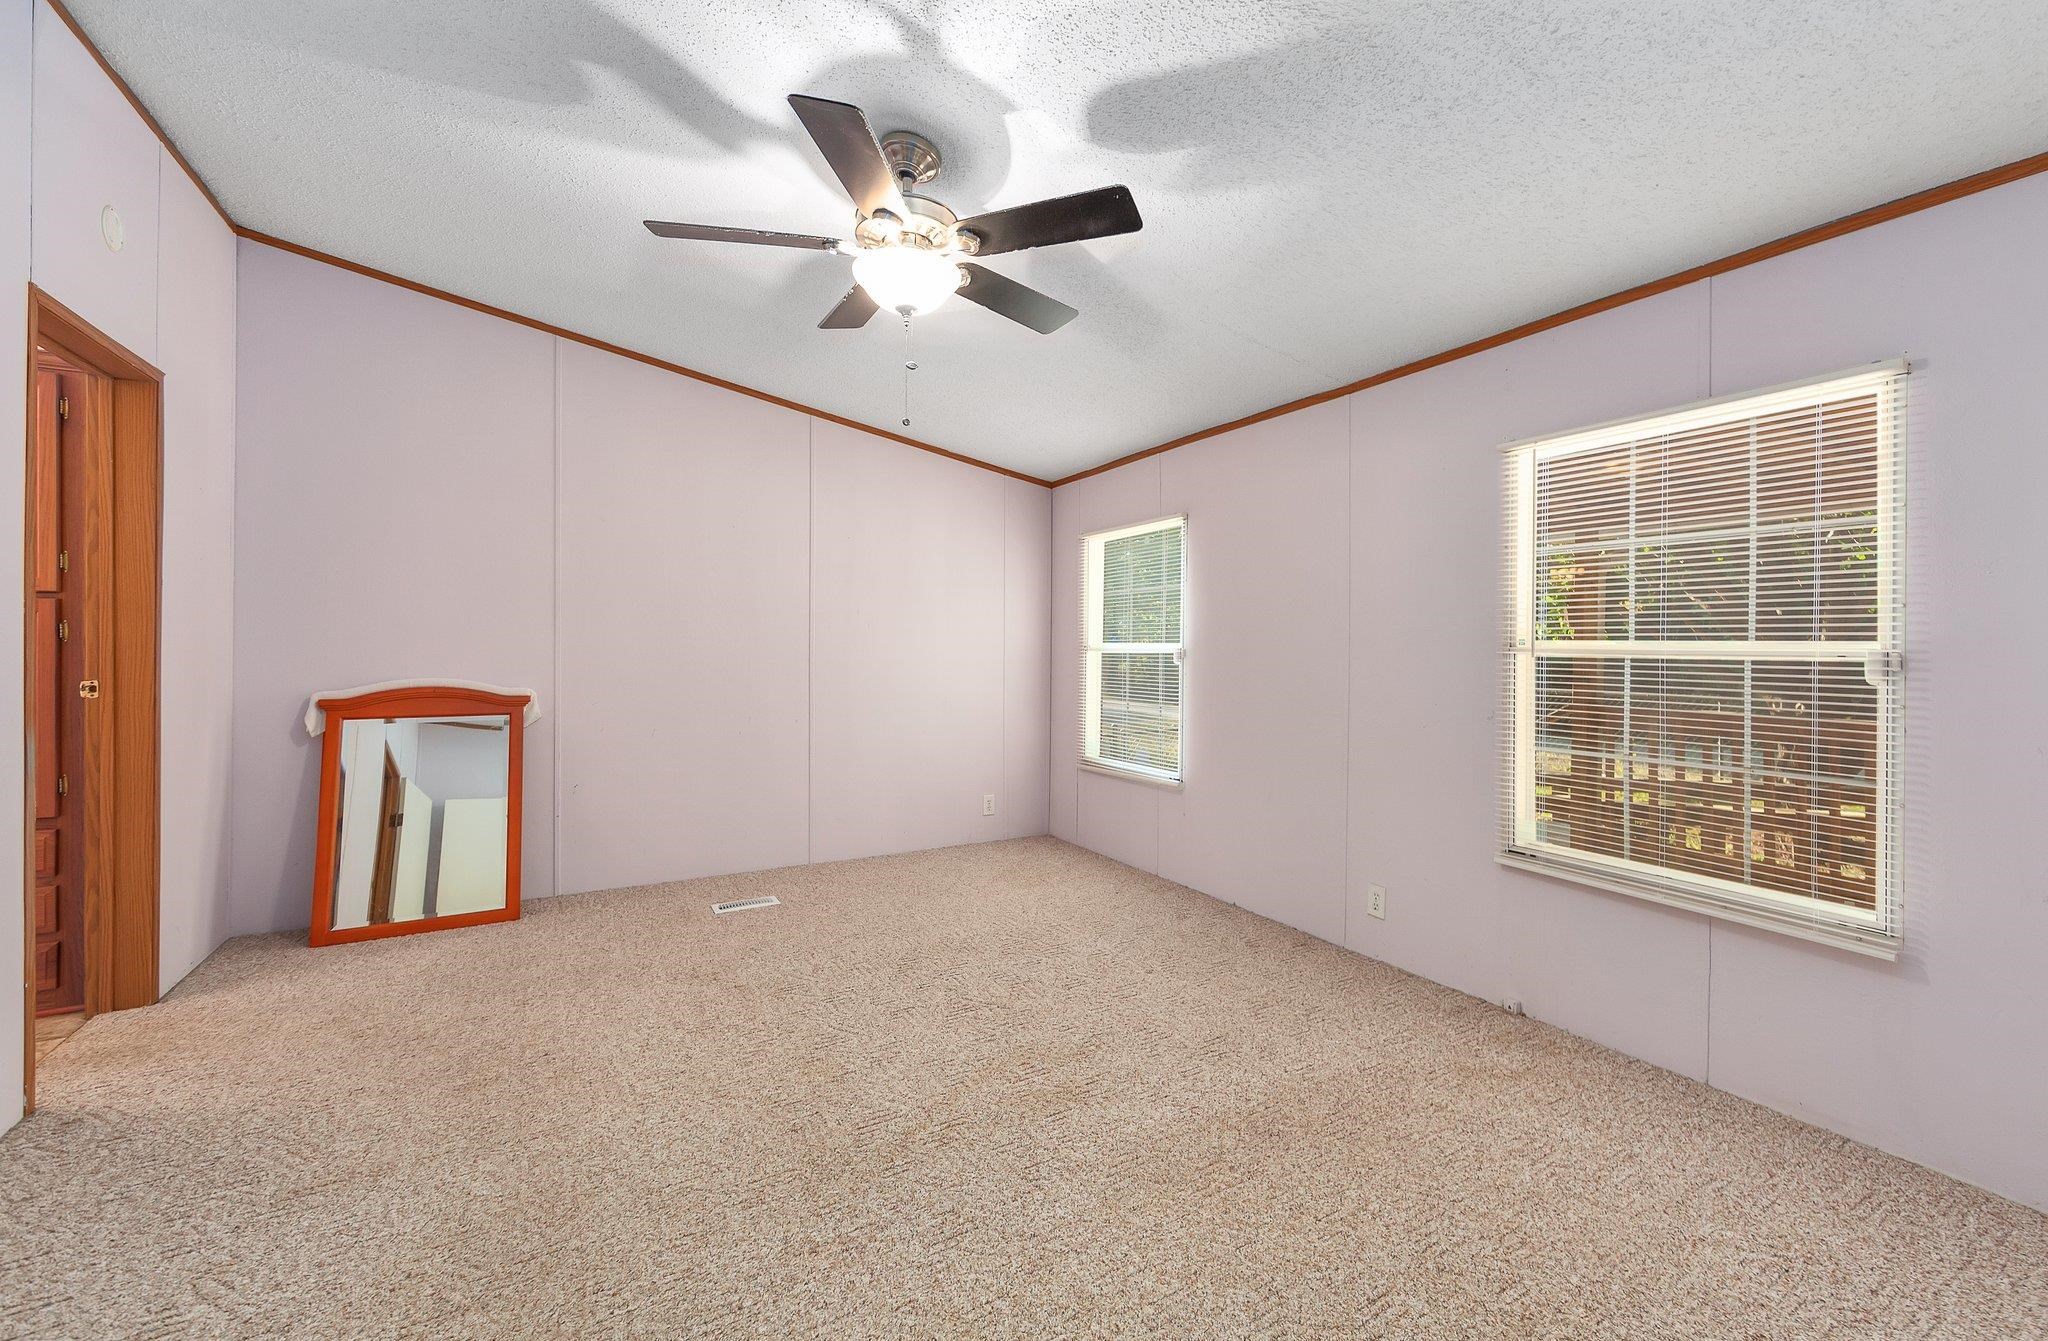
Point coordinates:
[(390, 819), (56, 553)]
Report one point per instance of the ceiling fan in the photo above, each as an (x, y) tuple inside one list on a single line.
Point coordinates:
[(910, 253)]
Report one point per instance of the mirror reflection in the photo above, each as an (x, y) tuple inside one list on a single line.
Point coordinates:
[(422, 818)]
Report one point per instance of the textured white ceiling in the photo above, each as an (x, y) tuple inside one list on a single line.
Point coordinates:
[(1328, 189)]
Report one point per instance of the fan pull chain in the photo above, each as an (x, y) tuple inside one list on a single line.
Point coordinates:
[(909, 367)]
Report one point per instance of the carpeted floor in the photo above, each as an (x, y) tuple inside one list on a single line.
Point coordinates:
[(1010, 1090)]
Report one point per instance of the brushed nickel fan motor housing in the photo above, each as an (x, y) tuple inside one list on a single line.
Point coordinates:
[(915, 161), (913, 158), (928, 224)]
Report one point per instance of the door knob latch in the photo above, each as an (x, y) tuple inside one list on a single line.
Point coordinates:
[(88, 688)]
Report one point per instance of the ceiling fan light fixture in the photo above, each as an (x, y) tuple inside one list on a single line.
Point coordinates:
[(882, 228), (909, 280), (911, 252)]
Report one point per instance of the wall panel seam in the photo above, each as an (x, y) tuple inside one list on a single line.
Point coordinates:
[(1350, 651), (1003, 706), (1052, 652), (234, 411), (555, 636), (156, 332), (810, 639)]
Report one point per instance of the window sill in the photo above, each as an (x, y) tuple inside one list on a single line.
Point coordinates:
[(1130, 775), (1863, 941)]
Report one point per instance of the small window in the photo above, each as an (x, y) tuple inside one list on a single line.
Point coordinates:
[(1704, 625), (1133, 648)]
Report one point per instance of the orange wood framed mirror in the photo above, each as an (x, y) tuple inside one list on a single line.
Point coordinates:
[(419, 812)]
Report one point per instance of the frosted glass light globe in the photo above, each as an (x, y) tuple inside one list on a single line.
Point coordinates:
[(909, 280)]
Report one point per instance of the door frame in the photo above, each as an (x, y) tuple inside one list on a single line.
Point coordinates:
[(124, 553)]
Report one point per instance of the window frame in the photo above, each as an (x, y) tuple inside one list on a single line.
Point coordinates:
[(1092, 646), (1875, 932)]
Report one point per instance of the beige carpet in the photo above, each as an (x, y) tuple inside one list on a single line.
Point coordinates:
[(1011, 1090)]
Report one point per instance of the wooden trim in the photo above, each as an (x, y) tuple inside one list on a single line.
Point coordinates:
[(28, 721), (50, 322), (422, 701), (1791, 242), (121, 618), (411, 701), (593, 342), (1848, 223), (135, 612), (170, 145), (96, 628)]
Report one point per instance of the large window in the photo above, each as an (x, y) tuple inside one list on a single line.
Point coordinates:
[(1703, 620), (1133, 648)]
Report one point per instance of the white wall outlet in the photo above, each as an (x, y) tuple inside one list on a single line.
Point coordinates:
[(988, 803), (1376, 901)]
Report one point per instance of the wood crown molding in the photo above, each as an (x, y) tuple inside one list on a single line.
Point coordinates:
[(110, 357), (156, 128), (1848, 223)]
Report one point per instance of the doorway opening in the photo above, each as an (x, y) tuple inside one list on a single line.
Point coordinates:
[(92, 561)]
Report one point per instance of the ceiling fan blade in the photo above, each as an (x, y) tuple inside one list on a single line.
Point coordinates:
[(1104, 212), (1019, 302), (843, 136), (852, 313), (759, 237)]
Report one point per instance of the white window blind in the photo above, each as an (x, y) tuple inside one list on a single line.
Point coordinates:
[(1133, 648), (1703, 618)]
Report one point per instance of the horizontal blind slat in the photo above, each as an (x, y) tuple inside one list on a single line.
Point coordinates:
[(1701, 619)]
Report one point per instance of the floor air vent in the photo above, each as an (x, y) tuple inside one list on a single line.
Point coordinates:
[(744, 905)]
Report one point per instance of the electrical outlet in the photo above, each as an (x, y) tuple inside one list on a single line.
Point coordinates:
[(988, 803), (1376, 901)]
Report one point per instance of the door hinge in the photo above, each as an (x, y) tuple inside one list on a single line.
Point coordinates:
[(88, 688), (63, 630), (63, 407), (63, 560), (63, 784)]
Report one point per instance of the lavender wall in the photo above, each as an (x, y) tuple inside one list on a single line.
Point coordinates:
[(684, 570), (759, 639), (195, 324), (70, 145), (1385, 605), (17, 27), (393, 518), (424, 489), (908, 649)]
